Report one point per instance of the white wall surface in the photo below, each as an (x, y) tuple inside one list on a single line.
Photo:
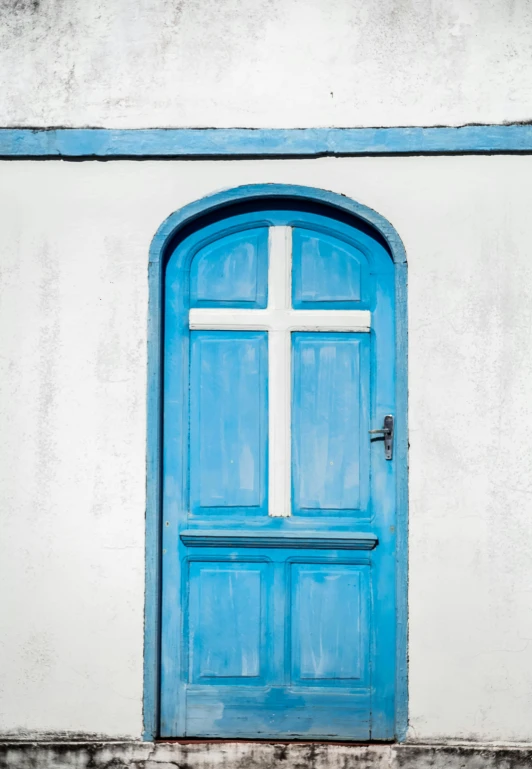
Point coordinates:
[(73, 253), (264, 63)]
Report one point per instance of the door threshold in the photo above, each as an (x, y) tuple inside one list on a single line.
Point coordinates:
[(258, 740)]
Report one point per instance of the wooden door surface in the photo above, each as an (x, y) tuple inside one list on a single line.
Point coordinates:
[(278, 573)]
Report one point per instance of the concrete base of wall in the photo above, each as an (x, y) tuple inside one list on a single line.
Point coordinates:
[(257, 755)]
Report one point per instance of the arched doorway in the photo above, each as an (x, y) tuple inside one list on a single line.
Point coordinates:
[(281, 511)]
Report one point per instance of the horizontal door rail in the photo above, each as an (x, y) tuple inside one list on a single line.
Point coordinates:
[(280, 539)]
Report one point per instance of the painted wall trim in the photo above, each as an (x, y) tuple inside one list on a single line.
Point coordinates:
[(192, 214), (248, 142)]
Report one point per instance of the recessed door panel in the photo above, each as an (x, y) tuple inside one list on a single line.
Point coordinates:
[(228, 420), (231, 270), (227, 622), (329, 615), (331, 380), (327, 270)]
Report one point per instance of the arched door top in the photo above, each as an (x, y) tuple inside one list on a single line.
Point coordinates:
[(258, 196)]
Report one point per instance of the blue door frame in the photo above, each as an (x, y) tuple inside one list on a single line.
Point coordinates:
[(196, 214)]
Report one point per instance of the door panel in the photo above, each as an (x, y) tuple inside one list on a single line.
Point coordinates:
[(327, 270), (232, 269), (278, 627), (308, 715), (227, 623), (330, 408), (329, 615), (228, 420)]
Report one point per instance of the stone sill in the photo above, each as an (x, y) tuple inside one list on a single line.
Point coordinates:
[(219, 754)]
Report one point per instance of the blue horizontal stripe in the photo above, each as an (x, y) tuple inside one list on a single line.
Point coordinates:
[(292, 142)]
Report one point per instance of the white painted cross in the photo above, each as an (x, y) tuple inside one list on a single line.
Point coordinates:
[(279, 320)]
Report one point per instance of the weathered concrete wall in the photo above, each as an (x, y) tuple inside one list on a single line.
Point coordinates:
[(264, 63), (73, 249)]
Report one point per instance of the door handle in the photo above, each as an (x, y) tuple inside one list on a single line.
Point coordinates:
[(387, 432)]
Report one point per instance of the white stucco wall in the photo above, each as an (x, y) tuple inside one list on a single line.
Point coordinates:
[(73, 253), (264, 63)]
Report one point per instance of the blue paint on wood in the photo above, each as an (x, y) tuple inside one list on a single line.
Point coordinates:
[(231, 271), (227, 622), (239, 703), (401, 454), (215, 463), (307, 540), (383, 502), (330, 625), (278, 702), (327, 272), (290, 142), (330, 412), (228, 422), (218, 710)]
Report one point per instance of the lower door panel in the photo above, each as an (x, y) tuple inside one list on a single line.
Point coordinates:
[(277, 645)]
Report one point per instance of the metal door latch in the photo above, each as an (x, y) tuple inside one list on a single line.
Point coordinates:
[(387, 432)]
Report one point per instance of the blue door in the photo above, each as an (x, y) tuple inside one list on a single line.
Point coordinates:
[(278, 564)]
